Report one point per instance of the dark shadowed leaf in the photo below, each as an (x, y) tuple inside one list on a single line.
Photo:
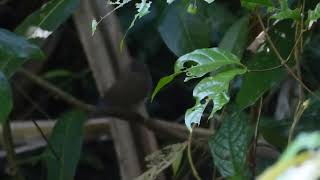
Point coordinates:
[(5, 98), (14, 51), (183, 32), (255, 84), (235, 39), (66, 140), (40, 24), (229, 146)]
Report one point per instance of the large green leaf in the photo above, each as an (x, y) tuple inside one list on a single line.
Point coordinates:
[(213, 89), (66, 140), (235, 39), (204, 61), (207, 60), (255, 84), (229, 146), (183, 32), (5, 98), (40, 24), (14, 51)]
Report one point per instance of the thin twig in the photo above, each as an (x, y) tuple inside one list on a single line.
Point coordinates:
[(193, 168), (283, 61), (11, 154), (49, 87), (36, 124), (256, 133), (159, 126)]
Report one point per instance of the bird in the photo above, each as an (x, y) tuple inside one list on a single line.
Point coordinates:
[(131, 89)]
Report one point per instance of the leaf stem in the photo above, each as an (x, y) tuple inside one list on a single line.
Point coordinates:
[(193, 168)]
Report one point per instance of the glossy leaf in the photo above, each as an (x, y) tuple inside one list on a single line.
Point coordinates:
[(14, 51), (66, 140), (183, 32), (313, 15), (207, 60), (5, 98), (41, 24), (230, 144), (213, 89), (235, 39)]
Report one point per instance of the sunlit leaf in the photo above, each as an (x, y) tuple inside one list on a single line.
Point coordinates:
[(300, 151), (207, 60), (213, 89), (287, 14), (94, 24), (5, 98), (230, 144), (313, 15), (41, 23)]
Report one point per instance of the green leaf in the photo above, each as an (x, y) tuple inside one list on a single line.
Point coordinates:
[(5, 98), (94, 25), (40, 24), (235, 39), (57, 73), (255, 84), (251, 4), (287, 14), (183, 32), (66, 140), (229, 146), (305, 141), (213, 89), (300, 159), (207, 60), (142, 10), (14, 51), (313, 15), (163, 82)]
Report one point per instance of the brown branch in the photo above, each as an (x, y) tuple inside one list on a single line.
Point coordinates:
[(160, 126), (55, 90)]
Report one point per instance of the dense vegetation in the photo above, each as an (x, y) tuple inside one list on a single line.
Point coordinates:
[(246, 72)]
